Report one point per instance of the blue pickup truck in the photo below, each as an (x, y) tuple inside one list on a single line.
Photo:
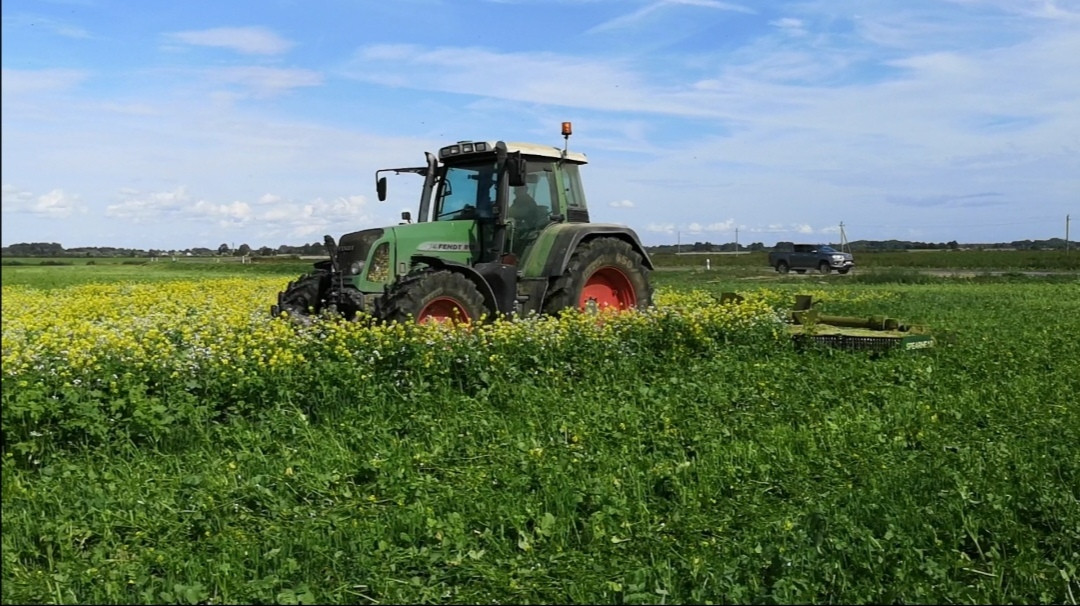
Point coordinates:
[(819, 257)]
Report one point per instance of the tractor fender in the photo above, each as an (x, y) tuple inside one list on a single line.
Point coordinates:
[(474, 276), (550, 254)]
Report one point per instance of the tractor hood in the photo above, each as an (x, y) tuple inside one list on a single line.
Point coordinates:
[(354, 248), (455, 241), (373, 257)]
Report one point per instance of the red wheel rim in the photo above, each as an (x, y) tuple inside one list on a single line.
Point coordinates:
[(608, 287), (443, 309)]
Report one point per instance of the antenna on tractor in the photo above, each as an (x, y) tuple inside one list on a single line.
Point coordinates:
[(567, 130)]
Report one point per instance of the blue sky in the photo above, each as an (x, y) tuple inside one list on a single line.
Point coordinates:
[(159, 124)]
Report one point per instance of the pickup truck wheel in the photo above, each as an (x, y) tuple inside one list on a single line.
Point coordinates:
[(824, 268), (800, 271), (782, 267), (844, 271)]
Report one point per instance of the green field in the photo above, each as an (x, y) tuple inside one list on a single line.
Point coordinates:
[(875, 267), (974, 260), (990, 260), (32, 272), (164, 442)]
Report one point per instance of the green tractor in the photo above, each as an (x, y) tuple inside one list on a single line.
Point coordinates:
[(502, 231)]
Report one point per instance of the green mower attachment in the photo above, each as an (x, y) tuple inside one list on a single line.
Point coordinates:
[(871, 333)]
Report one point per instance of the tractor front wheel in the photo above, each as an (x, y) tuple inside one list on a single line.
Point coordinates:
[(433, 296), (602, 273), (304, 297)]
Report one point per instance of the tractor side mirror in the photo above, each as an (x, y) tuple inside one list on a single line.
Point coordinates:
[(380, 187), (517, 169), (406, 216)]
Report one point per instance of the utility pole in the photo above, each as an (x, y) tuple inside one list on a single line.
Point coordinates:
[(736, 240), (1066, 234), (678, 242), (843, 239)]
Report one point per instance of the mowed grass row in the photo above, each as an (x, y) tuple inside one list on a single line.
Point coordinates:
[(693, 457)]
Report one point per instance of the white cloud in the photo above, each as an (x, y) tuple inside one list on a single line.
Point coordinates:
[(345, 207), (15, 199), (232, 213), (270, 216), (130, 109), (246, 40), (39, 22), (276, 215), (534, 77), (267, 81), (621, 204), (790, 26), (19, 81), (71, 31), (645, 12), (56, 204), (784, 228), (694, 228), (1051, 9), (723, 226), (139, 207)]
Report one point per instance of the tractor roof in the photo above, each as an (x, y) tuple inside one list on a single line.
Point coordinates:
[(547, 151), (467, 148)]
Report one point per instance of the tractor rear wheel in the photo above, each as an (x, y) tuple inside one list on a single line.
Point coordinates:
[(602, 273), (433, 296), (304, 297)]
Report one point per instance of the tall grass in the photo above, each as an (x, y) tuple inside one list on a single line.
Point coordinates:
[(688, 458)]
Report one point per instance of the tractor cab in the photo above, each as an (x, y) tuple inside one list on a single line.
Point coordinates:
[(467, 187), (509, 192)]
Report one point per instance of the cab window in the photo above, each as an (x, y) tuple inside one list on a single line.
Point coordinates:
[(575, 194), (540, 182), (466, 192)]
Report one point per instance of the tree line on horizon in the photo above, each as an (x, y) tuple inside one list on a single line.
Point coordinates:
[(55, 249), (861, 246)]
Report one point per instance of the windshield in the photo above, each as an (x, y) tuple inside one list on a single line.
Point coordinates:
[(827, 249), (466, 191)]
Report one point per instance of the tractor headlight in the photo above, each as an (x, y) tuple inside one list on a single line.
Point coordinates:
[(356, 268)]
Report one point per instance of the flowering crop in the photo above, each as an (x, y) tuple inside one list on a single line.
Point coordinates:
[(216, 339)]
